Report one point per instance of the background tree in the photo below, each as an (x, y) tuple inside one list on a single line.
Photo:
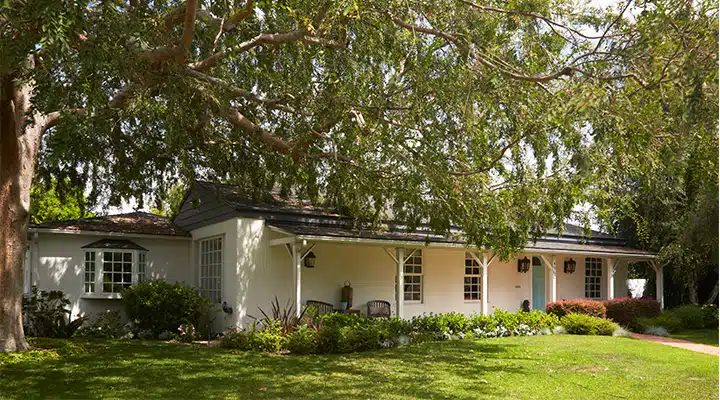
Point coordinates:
[(169, 204), (57, 202), (490, 117)]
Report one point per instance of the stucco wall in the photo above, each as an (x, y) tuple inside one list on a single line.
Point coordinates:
[(59, 265)]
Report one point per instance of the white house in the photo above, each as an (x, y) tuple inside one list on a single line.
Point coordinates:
[(243, 254)]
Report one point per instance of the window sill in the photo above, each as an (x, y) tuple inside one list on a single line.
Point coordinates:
[(473, 301), (413, 302), (101, 296)]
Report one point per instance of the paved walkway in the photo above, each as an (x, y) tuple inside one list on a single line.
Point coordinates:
[(683, 344)]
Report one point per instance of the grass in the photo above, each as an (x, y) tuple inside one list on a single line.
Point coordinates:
[(704, 336), (536, 367)]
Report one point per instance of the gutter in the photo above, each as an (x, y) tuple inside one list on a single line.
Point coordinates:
[(107, 234)]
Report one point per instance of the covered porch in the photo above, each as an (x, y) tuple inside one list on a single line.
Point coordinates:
[(440, 276)]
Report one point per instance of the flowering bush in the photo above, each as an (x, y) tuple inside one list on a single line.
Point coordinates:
[(625, 311), (187, 332), (581, 306)]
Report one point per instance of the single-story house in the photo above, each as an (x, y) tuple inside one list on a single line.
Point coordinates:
[(241, 254)]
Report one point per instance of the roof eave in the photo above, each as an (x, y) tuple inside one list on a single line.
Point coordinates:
[(105, 233)]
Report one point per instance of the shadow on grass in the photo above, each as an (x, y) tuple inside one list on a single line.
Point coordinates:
[(137, 369)]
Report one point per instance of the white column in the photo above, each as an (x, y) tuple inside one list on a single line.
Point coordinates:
[(485, 265), (611, 265), (297, 272), (553, 277), (400, 297), (530, 281), (660, 286)]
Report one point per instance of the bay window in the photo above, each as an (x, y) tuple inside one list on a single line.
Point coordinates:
[(111, 265)]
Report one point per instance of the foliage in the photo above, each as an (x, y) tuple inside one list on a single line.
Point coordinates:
[(55, 201), (186, 332), (168, 204), (347, 333), (159, 306), (303, 340), (626, 310), (622, 332), (580, 306), (583, 324), (711, 316), (284, 317), (105, 325), (666, 320), (690, 316), (47, 315)]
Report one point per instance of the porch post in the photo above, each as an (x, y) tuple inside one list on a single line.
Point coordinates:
[(297, 272), (553, 277), (400, 298), (659, 284), (611, 266), (484, 306)]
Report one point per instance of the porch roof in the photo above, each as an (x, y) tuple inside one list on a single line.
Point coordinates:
[(547, 244)]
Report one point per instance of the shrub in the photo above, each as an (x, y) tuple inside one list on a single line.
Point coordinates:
[(187, 333), (691, 316), (626, 310), (304, 340), (665, 320), (581, 306), (440, 323), (582, 324), (622, 332), (46, 314), (270, 338), (235, 339), (105, 325), (159, 306), (710, 316)]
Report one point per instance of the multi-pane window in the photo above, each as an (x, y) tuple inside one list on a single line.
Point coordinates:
[(473, 279), (593, 276), (89, 272), (117, 270), (413, 275), (211, 262), (141, 267)]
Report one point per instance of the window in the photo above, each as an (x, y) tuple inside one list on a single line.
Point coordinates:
[(472, 280), (211, 262), (117, 270), (141, 267), (89, 272), (413, 275), (593, 275)]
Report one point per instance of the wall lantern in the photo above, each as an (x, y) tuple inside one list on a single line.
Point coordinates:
[(569, 266), (310, 260), (524, 265)]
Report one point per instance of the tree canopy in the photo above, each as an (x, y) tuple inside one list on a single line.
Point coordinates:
[(498, 118)]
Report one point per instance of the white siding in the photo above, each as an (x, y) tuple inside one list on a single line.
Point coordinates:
[(60, 266)]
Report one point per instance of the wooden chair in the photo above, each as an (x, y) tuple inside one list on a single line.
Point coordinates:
[(378, 308), (321, 307)]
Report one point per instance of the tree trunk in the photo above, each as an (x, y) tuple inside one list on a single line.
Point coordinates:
[(19, 141), (713, 294), (693, 288)]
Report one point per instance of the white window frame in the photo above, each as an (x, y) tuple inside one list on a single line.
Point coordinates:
[(215, 293), (593, 278), (410, 262), (142, 267), (99, 264), (472, 275)]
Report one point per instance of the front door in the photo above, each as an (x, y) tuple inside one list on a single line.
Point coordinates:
[(538, 284)]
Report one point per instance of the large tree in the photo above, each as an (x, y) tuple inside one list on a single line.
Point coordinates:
[(484, 116)]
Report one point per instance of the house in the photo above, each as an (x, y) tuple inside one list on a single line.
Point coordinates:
[(242, 254)]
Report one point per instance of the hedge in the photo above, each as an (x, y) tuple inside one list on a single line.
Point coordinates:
[(580, 306), (625, 311)]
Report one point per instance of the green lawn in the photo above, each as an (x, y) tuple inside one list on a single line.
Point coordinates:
[(704, 336), (542, 367)]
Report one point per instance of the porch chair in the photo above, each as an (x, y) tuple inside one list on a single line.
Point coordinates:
[(378, 308), (321, 307)]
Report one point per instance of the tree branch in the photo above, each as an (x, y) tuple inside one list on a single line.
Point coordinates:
[(189, 26), (494, 161)]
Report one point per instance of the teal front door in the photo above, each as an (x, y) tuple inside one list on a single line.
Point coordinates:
[(538, 284)]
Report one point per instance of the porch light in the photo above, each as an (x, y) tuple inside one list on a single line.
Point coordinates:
[(569, 266), (524, 265), (310, 260)]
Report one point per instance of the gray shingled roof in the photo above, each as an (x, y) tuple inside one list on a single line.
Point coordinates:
[(133, 223)]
